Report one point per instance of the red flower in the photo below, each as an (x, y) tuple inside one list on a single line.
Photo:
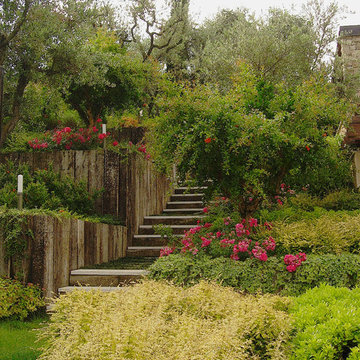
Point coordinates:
[(95, 129), (67, 129), (205, 210), (307, 148), (99, 120), (115, 143), (208, 140)]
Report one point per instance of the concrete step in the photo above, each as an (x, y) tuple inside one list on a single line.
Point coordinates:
[(105, 277), (177, 229), (187, 197), (169, 220), (151, 240), (184, 211), (189, 190), (184, 204), (143, 251), (67, 289)]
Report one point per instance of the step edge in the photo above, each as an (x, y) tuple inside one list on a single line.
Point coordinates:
[(107, 272)]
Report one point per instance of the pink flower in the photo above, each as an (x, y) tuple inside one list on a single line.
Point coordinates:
[(207, 225), (115, 143), (98, 120), (242, 246), (195, 230), (67, 130), (290, 259), (234, 257), (269, 244), (102, 136), (166, 251), (205, 210), (95, 129), (279, 202), (218, 234), (259, 253), (205, 242), (291, 268), (253, 222)]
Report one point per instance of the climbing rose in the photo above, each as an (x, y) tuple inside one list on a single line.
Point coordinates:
[(95, 129), (115, 143)]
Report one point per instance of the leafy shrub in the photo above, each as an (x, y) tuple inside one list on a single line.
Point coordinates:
[(333, 233), (157, 321), (327, 324), (45, 189), (248, 149), (17, 300), (253, 276), (344, 199)]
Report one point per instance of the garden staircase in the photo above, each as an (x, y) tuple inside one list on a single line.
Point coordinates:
[(181, 213)]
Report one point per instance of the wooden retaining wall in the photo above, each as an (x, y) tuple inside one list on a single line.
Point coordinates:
[(147, 192), (60, 245), (132, 186)]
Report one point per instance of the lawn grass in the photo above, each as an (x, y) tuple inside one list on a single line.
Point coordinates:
[(18, 338)]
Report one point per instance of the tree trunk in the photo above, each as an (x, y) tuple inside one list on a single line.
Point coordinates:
[(18, 96)]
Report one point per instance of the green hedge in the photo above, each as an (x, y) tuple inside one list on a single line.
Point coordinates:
[(252, 275), (327, 324)]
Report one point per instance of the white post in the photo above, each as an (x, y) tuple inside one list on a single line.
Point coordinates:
[(103, 126), (20, 191)]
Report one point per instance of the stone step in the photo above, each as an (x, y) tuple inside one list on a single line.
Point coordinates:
[(184, 204), (172, 220), (105, 277), (67, 289), (189, 190), (187, 197), (143, 251), (184, 211), (177, 229), (151, 240)]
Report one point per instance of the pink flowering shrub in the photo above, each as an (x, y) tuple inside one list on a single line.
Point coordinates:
[(233, 240), (231, 236), (70, 139), (82, 139)]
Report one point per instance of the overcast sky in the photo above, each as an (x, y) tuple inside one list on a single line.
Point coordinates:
[(202, 9)]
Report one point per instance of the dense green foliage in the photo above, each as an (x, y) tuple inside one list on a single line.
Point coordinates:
[(45, 189), (256, 137), (253, 276), (18, 300), (327, 324), (155, 320)]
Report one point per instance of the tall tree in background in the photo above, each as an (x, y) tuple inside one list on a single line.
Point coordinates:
[(50, 46)]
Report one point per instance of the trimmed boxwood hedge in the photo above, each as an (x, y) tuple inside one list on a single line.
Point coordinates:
[(253, 276)]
